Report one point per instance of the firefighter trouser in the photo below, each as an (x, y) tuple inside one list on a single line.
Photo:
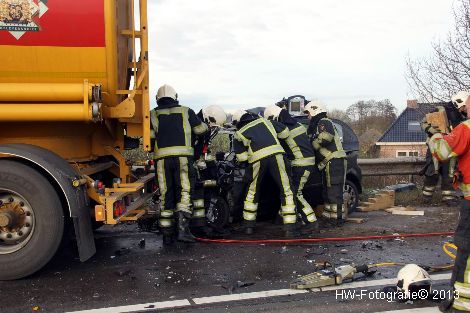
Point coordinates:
[(333, 178), (275, 166), (461, 271), (199, 212), (301, 176), (175, 177), (461, 280), (431, 180)]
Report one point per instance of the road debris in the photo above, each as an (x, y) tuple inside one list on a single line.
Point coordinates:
[(355, 220), (122, 251), (123, 272), (412, 213)]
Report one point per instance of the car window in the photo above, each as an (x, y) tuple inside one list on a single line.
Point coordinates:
[(339, 129)]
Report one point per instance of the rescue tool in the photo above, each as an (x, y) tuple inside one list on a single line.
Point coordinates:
[(330, 275)]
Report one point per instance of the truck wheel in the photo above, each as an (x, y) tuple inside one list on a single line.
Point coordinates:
[(350, 190), (31, 220)]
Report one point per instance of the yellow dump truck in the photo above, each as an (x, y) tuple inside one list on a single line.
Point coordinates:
[(74, 93)]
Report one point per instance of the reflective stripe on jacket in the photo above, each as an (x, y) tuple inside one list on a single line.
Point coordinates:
[(259, 139), (298, 147), (173, 129), (327, 143), (456, 144)]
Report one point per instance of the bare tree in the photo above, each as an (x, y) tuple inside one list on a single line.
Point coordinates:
[(447, 70), (340, 115), (371, 114), (367, 140)]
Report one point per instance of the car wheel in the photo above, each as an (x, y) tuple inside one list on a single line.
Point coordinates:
[(218, 212), (351, 191)]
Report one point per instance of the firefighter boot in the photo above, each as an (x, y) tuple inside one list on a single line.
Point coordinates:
[(290, 231), (309, 228), (168, 237), (249, 230), (340, 215), (184, 234)]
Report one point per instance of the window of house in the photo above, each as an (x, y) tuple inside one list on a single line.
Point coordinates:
[(402, 154), (413, 126)]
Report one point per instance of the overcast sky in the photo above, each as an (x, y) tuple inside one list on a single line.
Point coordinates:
[(247, 53)]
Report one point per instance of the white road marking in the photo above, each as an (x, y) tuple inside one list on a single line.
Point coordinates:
[(420, 310), (139, 307), (261, 294), (248, 295)]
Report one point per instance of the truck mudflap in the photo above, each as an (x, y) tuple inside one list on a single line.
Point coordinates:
[(63, 174)]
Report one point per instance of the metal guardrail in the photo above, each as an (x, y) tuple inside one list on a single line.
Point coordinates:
[(391, 166)]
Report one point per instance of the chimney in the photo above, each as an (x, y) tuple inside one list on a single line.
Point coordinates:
[(412, 104)]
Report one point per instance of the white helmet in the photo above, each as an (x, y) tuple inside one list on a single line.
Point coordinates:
[(412, 277), (214, 115), (237, 116), (460, 98), (166, 91), (314, 108), (272, 112)]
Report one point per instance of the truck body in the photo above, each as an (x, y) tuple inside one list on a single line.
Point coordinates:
[(74, 93)]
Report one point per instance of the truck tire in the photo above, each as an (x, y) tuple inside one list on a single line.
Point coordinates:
[(32, 218)]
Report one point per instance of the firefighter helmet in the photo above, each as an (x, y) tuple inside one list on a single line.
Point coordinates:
[(412, 278), (460, 98), (272, 112), (314, 108), (166, 91), (214, 115), (237, 115)]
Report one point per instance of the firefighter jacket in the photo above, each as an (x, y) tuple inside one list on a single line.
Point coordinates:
[(258, 139), (456, 144), (432, 164), (297, 146), (173, 128), (326, 143)]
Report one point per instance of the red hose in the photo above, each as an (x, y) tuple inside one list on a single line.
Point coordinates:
[(313, 240)]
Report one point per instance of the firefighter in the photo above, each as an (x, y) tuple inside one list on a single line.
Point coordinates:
[(330, 159), (173, 127), (433, 170), (443, 147), (302, 160), (257, 147), (215, 117)]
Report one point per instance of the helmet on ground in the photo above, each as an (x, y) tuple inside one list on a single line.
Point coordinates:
[(412, 278), (272, 112), (314, 108), (214, 115), (460, 98), (236, 116), (166, 91)]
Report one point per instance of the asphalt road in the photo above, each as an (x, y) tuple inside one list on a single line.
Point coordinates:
[(236, 278)]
